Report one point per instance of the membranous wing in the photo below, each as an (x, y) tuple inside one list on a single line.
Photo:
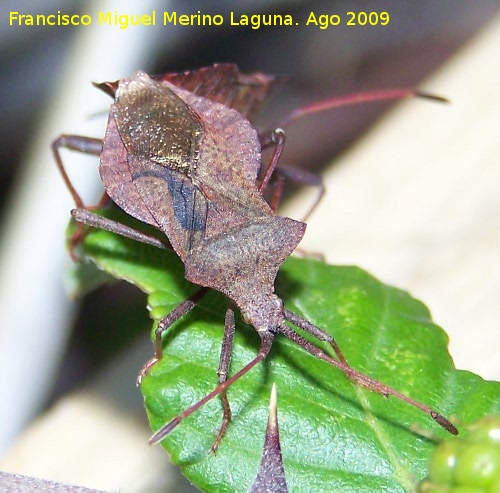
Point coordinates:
[(225, 84)]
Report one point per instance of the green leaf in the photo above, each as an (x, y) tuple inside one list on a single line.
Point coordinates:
[(335, 436)]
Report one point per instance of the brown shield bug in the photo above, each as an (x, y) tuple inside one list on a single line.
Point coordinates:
[(176, 155)]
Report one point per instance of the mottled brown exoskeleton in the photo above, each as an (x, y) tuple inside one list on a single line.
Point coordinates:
[(183, 160)]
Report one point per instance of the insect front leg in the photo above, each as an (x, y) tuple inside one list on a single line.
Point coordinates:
[(305, 178), (278, 138), (164, 324), (222, 372), (266, 341)]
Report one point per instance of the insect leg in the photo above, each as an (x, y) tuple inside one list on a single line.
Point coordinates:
[(94, 220), (222, 371), (165, 323), (279, 180), (278, 137), (303, 177), (364, 380), (267, 138), (312, 329), (265, 346), (85, 145)]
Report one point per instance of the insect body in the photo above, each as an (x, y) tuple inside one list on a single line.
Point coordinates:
[(198, 187), (188, 165)]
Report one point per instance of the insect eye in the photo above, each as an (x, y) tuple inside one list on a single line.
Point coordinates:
[(246, 316)]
